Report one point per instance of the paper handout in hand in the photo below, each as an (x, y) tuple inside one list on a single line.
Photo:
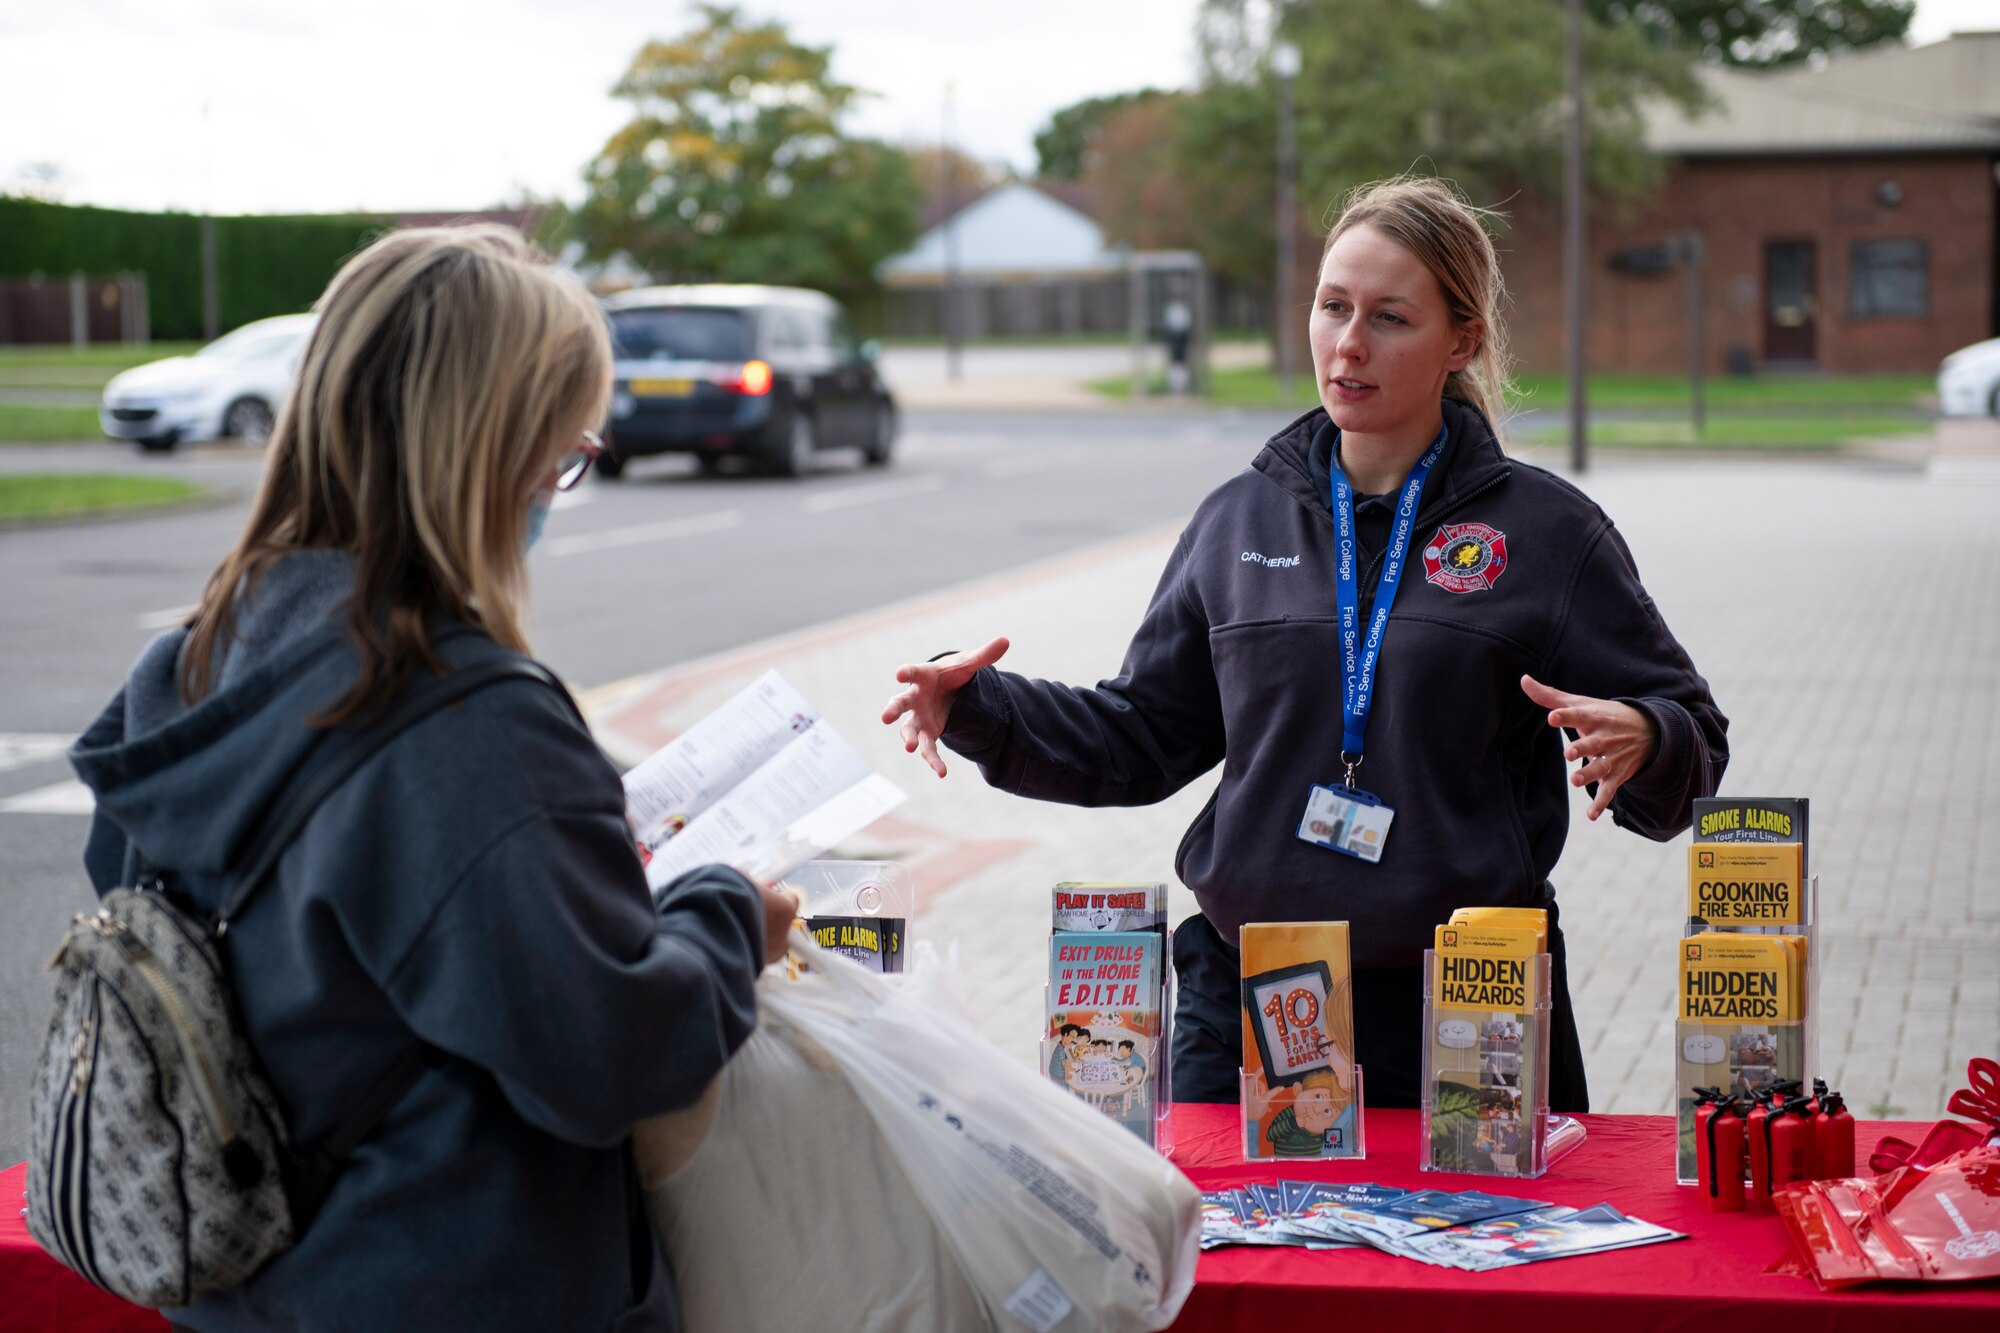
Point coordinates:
[(762, 784)]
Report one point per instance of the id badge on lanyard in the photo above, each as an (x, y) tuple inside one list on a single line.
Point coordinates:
[(1344, 818)]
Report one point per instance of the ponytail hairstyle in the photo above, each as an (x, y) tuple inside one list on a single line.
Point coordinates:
[(1431, 219), (449, 369)]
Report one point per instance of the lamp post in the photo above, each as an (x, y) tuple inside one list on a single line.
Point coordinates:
[(1574, 306), (954, 336), (1285, 65)]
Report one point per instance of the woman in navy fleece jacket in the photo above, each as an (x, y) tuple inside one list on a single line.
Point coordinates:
[(1520, 621), (473, 886)]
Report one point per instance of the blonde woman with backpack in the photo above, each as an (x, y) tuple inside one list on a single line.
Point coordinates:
[(457, 943)]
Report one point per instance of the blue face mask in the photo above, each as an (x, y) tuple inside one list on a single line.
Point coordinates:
[(538, 518)]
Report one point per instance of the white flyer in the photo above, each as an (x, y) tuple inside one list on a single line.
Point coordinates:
[(666, 792), (809, 796)]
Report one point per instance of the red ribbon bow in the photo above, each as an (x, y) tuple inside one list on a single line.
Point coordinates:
[(1980, 1101)]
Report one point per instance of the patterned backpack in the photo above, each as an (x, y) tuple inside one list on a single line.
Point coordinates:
[(160, 1167)]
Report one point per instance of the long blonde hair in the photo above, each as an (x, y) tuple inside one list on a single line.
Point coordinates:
[(1446, 232), (446, 370)]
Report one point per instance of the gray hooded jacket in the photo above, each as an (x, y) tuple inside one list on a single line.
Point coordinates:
[(472, 886)]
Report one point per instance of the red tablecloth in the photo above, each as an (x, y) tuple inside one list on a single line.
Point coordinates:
[(1717, 1274), (39, 1295)]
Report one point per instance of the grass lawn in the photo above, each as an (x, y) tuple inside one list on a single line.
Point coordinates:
[(70, 368), (67, 494), (1727, 431), (40, 425), (1786, 395)]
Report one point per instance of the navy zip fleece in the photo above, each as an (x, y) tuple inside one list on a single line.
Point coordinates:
[(1235, 664), (472, 886)]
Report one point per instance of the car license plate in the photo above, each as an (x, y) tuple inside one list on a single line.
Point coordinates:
[(662, 388)]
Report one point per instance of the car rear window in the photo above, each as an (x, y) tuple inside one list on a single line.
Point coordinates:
[(682, 333)]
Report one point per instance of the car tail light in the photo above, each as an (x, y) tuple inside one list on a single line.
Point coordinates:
[(753, 380)]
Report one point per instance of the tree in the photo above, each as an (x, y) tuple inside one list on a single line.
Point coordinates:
[(734, 166), (941, 170), (1063, 146), (1134, 173), (1467, 89), (1472, 90), (1761, 33)]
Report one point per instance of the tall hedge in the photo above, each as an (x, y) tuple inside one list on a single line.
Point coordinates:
[(264, 265)]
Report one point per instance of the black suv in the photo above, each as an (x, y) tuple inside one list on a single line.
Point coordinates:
[(770, 374)]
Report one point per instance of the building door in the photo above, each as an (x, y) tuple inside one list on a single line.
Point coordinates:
[(1791, 301)]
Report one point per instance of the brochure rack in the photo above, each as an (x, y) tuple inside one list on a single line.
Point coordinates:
[(859, 909), (1316, 1112), (1486, 1086), (1744, 1058), (1108, 1006)]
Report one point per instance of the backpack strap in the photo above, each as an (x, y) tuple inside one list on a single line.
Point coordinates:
[(277, 832)]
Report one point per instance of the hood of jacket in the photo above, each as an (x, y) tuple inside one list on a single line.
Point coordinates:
[(187, 783)]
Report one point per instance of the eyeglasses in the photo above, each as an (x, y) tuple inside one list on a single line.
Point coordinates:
[(578, 460)]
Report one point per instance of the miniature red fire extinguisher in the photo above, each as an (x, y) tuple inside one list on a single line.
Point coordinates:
[(1757, 1142), (1791, 1132), (1833, 1140), (1721, 1153)]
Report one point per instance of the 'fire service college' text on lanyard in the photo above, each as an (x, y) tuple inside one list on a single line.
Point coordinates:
[(1346, 819)]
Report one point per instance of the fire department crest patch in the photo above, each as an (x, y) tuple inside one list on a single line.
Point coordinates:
[(1465, 557)]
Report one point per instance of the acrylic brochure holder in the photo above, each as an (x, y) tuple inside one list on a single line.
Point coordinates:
[(1486, 1086), (858, 909), (1315, 1119), (1745, 1058)]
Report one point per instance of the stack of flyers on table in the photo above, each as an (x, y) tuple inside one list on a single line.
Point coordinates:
[(761, 784), (1467, 1229)]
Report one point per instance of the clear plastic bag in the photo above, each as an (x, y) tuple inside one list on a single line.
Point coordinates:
[(1054, 1218)]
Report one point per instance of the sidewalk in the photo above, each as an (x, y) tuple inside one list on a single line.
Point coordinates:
[(1847, 616)]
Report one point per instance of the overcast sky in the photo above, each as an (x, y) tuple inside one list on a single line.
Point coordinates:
[(323, 105)]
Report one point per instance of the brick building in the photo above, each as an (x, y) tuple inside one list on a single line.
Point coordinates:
[(1849, 220)]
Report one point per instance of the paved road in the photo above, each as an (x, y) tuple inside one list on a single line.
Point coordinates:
[(659, 568)]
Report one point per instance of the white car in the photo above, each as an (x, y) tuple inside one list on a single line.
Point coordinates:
[(230, 389), (1969, 381)]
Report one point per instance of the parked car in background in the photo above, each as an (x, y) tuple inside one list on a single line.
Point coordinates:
[(771, 375), (1969, 381), (230, 389)]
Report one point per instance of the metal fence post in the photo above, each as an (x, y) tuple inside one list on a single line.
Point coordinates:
[(79, 311)]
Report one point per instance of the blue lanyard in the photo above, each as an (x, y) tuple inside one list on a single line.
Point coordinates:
[(1358, 659)]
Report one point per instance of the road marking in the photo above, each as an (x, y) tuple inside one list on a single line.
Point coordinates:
[(19, 749), (1028, 465), (666, 531), (64, 798), (853, 497), (167, 619)]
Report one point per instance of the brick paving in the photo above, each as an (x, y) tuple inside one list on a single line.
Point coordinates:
[(1847, 615)]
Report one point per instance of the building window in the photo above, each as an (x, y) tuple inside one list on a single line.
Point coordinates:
[(1889, 278)]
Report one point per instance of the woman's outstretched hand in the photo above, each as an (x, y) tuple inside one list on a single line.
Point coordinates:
[(922, 706), (1614, 741)]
